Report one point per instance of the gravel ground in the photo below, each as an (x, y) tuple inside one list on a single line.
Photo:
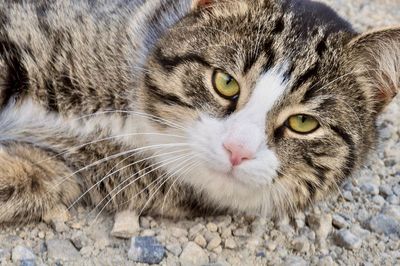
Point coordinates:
[(359, 227)]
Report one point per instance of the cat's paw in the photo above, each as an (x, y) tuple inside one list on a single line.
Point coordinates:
[(126, 224), (57, 217)]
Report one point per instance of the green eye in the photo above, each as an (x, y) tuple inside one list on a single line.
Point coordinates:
[(302, 124), (225, 85)]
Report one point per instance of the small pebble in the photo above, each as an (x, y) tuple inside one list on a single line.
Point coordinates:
[(230, 243), (5, 254), (347, 195), (195, 230), (295, 261), (175, 249), (212, 227), (383, 224), (392, 211), (148, 232), (345, 238), (146, 250), (200, 240), (215, 242), (379, 200), (59, 226), (63, 250), (385, 190), (126, 224), (192, 254), (370, 188), (326, 261), (301, 244), (22, 253), (178, 232), (339, 222), (217, 250)]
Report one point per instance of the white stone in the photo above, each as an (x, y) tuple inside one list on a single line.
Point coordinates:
[(345, 238), (200, 240), (21, 253), (215, 242), (126, 224), (193, 255), (230, 243)]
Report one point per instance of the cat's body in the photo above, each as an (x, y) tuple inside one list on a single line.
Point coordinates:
[(113, 98)]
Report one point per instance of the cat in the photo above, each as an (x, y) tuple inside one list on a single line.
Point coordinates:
[(187, 107)]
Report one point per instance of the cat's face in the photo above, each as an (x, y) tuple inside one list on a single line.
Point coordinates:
[(273, 101)]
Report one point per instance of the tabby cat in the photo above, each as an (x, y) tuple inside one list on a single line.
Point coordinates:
[(184, 107)]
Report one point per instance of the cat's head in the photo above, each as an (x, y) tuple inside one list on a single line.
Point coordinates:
[(275, 102)]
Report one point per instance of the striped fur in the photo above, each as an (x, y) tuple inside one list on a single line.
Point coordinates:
[(110, 102)]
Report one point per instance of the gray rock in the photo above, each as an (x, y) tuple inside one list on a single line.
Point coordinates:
[(146, 249), (214, 242), (230, 243), (370, 188), (339, 222), (59, 226), (61, 249), (396, 190), (392, 211), (21, 253), (200, 240), (27, 263), (178, 232), (379, 200), (383, 224), (345, 238), (194, 255), (395, 200), (347, 195), (295, 261), (175, 249), (385, 190), (195, 230), (126, 224), (5, 254), (79, 240), (326, 261), (301, 244)]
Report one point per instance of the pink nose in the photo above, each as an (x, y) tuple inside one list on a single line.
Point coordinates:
[(238, 152)]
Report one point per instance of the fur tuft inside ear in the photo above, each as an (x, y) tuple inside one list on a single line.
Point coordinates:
[(201, 3), (376, 59)]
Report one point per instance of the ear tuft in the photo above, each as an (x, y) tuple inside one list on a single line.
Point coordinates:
[(201, 3), (376, 60)]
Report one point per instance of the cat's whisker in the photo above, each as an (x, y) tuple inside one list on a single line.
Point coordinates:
[(149, 116), (172, 145), (120, 169), (190, 168), (106, 139), (171, 175), (162, 164), (118, 155)]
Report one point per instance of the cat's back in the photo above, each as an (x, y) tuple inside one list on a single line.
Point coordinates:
[(72, 55)]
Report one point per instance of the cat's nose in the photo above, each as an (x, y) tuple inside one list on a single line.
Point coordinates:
[(238, 152)]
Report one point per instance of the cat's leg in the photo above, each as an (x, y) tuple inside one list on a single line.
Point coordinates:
[(33, 185)]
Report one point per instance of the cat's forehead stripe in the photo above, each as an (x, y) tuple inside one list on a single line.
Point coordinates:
[(267, 92)]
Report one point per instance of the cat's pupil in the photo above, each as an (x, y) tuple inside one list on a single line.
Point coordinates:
[(303, 118)]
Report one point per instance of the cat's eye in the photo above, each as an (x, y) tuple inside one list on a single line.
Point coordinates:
[(225, 85), (302, 124)]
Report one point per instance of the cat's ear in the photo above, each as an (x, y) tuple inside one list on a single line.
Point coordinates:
[(196, 4), (375, 58)]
